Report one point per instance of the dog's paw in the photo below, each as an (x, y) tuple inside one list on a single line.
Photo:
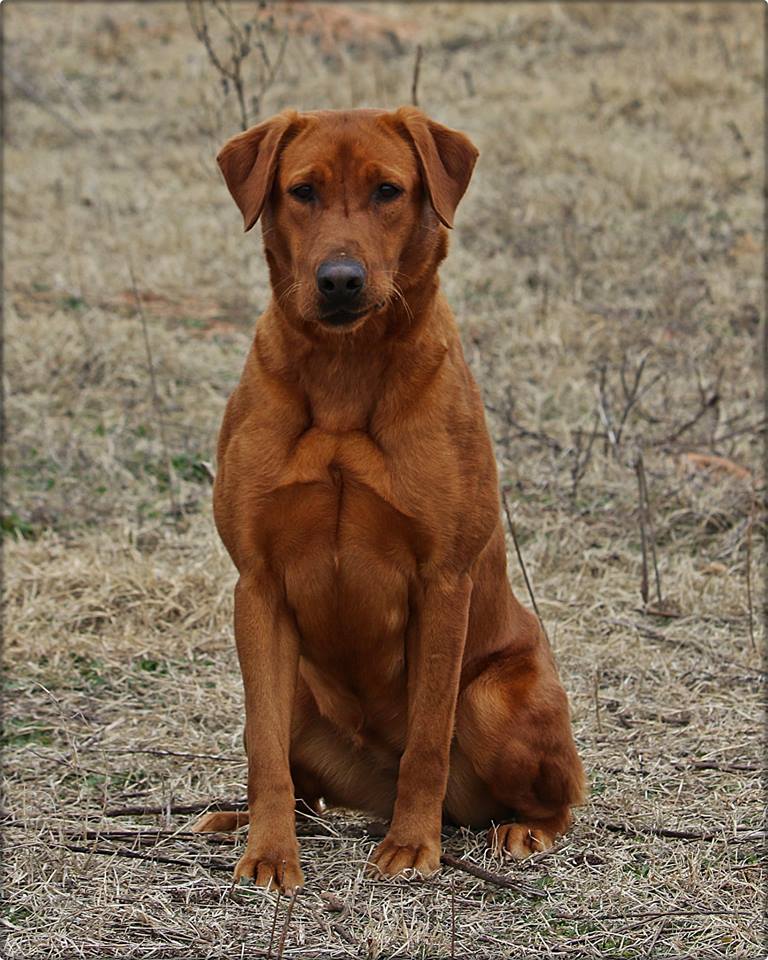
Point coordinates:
[(518, 840), (275, 873), (222, 821), (391, 859)]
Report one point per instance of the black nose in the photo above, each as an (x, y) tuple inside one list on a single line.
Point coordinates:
[(340, 282)]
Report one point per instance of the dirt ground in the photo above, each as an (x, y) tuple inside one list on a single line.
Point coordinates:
[(606, 273)]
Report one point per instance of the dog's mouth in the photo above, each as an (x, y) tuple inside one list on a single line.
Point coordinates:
[(343, 318), (339, 319)]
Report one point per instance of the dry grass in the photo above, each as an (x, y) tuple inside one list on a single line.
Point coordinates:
[(615, 218)]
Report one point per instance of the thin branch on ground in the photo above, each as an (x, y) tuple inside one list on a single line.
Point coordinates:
[(177, 808), (273, 929), (520, 560), (286, 924), (173, 753), (495, 878), (208, 864), (644, 830), (750, 526), (646, 523)]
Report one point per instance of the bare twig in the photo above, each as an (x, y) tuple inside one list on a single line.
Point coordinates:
[(603, 409), (288, 915), (521, 561), (208, 864), (145, 811), (632, 830), (34, 96), (643, 537), (155, 395), (750, 525), (495, 878), (416, 73), (453, 918), (646, 520), (615, 422), (580, 463), (722, 767), (148, 836), (597, 702), (706, 405), (522, 430), (176, 753), (242, 40), (274, 915)]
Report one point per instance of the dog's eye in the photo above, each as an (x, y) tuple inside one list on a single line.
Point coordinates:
[(303, 192), (387, 191)]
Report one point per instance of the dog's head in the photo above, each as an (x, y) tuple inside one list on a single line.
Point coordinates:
[(352, 205)]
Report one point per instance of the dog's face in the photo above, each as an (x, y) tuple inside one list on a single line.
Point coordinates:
[(351, 203)]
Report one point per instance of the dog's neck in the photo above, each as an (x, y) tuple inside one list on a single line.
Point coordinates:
[(346, 379)]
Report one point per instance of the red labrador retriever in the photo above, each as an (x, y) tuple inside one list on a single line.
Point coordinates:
[(386, 664)]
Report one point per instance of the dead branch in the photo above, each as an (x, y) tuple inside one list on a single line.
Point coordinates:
[(522, 562), (146, 811), (722, 767), (603, 409), (750, 525), (288, 915), (175, 753), (208, 864), (26, 90), (646, 830), (242, 40), (580, 463), (416, 72), (274, 915), (633, 391), (705, 406), (495, 878), (523, 431), (647, 522)]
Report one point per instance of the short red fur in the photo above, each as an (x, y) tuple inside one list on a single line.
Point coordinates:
[(386, 663)]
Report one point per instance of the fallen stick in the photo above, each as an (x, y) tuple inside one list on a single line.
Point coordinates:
[(447, 859), (146, 811), (722, 767), (156, 836), (176, 753), (496, 878), (156, 857), (674, 834), (288, 915), (520, 560)]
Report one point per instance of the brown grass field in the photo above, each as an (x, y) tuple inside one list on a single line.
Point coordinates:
[(606, 273)]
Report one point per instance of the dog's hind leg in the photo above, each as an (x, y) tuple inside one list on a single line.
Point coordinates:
[(513, 724)]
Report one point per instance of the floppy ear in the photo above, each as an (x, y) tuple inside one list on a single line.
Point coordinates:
[(248, 163), (446, 157)]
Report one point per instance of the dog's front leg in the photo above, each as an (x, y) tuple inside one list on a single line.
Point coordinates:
[(268, 650), (435, 649)]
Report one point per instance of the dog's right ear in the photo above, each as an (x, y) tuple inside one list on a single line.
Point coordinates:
[(248, 162)]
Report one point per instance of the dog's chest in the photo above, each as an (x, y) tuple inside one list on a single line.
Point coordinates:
[(347, 554)]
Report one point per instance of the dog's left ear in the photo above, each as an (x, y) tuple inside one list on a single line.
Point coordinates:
[(446, 157), (248, 162)]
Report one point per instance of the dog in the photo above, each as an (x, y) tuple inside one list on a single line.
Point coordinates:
[(387, 665)]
